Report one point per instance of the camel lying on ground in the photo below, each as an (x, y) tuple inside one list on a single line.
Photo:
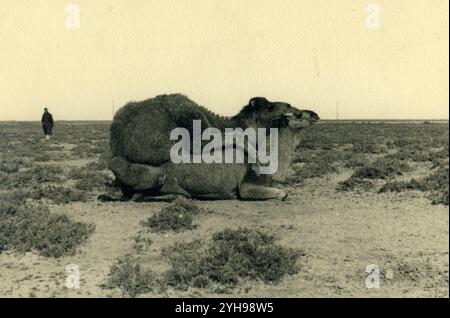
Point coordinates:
[(141, 145)]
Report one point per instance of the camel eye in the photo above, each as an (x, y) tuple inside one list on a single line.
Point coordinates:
[(298, 114)]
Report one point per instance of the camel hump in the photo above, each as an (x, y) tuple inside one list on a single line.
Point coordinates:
[(140, 131)]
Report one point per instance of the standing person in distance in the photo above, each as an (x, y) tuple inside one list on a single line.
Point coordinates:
[(47, 123)]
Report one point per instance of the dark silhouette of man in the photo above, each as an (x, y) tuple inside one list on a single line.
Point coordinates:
[(47, 124)]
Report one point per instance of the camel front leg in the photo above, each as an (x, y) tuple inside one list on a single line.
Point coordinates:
[(248, 191)]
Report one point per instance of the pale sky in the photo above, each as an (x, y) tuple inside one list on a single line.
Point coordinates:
[(313, 54)]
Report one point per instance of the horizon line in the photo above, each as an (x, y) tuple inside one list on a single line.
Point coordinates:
[(324, 119)]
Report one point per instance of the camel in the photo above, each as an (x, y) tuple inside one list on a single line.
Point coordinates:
[(140, 147)]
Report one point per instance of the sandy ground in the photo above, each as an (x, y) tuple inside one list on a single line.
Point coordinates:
[(340, 234)]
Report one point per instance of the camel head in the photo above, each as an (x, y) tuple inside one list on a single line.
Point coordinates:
[(262, 113), (289, 120)]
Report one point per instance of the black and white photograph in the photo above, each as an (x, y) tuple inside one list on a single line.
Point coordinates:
[(224, 149)]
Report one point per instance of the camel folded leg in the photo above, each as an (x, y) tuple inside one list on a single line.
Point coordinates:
[(137, 177), (108, 198), (171, 186), (157, 198), (248, 191), (215, 196)]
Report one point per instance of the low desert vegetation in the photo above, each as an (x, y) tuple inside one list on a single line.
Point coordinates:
[(436, 184), (46, 173), (26, 226), (382, 168), (9, 166), (130, 277), (354, 184), (141, 241), (177, 216), (376, 153), (100, 164), (88, 179), (58, 194), (86, 150), (315, 163), (229, 257), (369, 148), (412, 154), (37, 174), (311, 170)]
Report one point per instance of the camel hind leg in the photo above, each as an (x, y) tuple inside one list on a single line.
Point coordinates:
[(137, 177), (133, 178)]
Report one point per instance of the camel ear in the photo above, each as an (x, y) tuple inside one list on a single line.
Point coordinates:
[(257, 103)]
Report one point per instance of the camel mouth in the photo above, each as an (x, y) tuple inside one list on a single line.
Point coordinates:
[(297, 120), (315, 118), (307, 115)]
